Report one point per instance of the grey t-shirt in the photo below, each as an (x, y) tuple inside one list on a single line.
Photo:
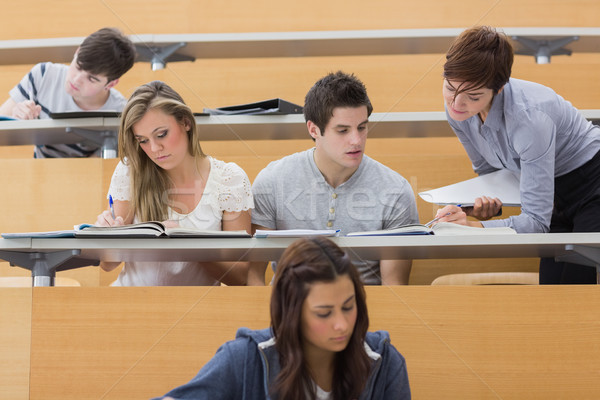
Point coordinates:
[(291, 193), (46, 83)]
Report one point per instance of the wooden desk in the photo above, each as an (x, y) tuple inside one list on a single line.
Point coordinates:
[(103, 131), (46, 256), (498, 342), (288, 44)]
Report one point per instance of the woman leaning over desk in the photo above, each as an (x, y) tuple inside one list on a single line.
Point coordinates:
[(163, 175), (318, 347), (527, 128)]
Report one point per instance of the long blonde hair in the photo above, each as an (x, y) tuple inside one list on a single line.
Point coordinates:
[(150, 183)]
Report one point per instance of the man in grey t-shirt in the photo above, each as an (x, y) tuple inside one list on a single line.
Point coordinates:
[(334, 185)]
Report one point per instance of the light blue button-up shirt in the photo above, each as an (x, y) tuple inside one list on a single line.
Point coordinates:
[(533, 131)]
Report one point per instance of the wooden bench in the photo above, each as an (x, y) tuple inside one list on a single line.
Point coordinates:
[(533, 342)]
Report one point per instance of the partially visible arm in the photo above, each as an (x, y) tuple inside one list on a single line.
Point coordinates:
[(395, 272), (123, 216), (231, 273), (257, 269), (23, 110), (219, 378)]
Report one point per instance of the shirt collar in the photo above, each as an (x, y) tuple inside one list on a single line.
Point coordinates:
[(494, 117)]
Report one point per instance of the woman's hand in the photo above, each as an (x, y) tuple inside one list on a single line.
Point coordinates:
[(106, 219), (485, 208)]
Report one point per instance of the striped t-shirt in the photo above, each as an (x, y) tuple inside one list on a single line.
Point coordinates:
[(46, 83)]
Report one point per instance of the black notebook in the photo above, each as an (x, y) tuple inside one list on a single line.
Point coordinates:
[(272, 106), (85, 114)]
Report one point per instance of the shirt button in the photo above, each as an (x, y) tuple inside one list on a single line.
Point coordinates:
[(329, 224), (331, 210), (334, 195)]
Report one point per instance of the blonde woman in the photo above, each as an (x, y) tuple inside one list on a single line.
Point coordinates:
[(163, 175)]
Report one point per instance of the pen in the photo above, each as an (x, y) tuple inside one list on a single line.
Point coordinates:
[(436, 219), (110, 204)]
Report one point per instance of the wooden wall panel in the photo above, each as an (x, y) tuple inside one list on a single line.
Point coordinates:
[(15, 342), (509, 342)]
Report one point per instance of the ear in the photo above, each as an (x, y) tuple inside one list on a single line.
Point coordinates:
[(187, 125), (313, 130), (111, 84)]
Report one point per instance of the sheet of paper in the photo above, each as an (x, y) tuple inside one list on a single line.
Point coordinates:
[(502, 184)]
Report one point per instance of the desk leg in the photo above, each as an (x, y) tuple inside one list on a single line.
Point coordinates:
[(584, 255), (42, 265), (106, 139)]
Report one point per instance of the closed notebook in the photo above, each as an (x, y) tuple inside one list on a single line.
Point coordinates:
[(271, 106), (441, 229), (152, 229), (296, 233)]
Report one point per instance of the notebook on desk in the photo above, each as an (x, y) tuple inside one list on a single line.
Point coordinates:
[(139, 230), (440, 229), (272, 106), (152, 229)]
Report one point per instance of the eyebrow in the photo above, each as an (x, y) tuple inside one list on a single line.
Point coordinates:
[(328, 306), (465, 91), (155, 129), (348, 126)]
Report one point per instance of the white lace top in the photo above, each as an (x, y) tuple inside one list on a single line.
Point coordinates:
[(227, 189)]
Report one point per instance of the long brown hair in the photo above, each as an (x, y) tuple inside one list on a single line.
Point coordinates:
[(304, 262), (149, 182)]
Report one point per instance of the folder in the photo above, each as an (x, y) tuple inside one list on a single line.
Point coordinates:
[(503, 184), (272, 106), (85, 114)]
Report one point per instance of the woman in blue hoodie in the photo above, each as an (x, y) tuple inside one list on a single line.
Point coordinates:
[(317, 347)]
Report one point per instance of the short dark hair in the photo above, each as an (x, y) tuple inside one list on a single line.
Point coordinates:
[(106, 52), (481, 56), (334, 90)]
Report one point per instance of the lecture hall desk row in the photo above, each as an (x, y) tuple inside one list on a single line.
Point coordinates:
[(491, 342)]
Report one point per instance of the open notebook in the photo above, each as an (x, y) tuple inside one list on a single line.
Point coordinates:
[(140, 230), (441, 229), (151, 229)]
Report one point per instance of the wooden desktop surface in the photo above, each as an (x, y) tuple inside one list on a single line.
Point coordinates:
[(492, 342)]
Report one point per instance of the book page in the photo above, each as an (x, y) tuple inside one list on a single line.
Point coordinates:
[(451, 229), (413, 229)]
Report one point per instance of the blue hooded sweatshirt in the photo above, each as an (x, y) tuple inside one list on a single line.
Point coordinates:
[(242, 369)]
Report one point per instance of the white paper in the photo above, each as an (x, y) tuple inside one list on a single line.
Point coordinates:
[(502, 184)]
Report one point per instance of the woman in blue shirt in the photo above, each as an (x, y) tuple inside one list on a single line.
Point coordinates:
[(317, 347), (525, 127)]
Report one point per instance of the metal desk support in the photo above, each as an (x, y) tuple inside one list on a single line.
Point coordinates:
[(584, 255), (107, 139), (43, 265)]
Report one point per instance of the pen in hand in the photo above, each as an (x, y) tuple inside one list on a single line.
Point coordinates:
[(436, 219), (112, 208)]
